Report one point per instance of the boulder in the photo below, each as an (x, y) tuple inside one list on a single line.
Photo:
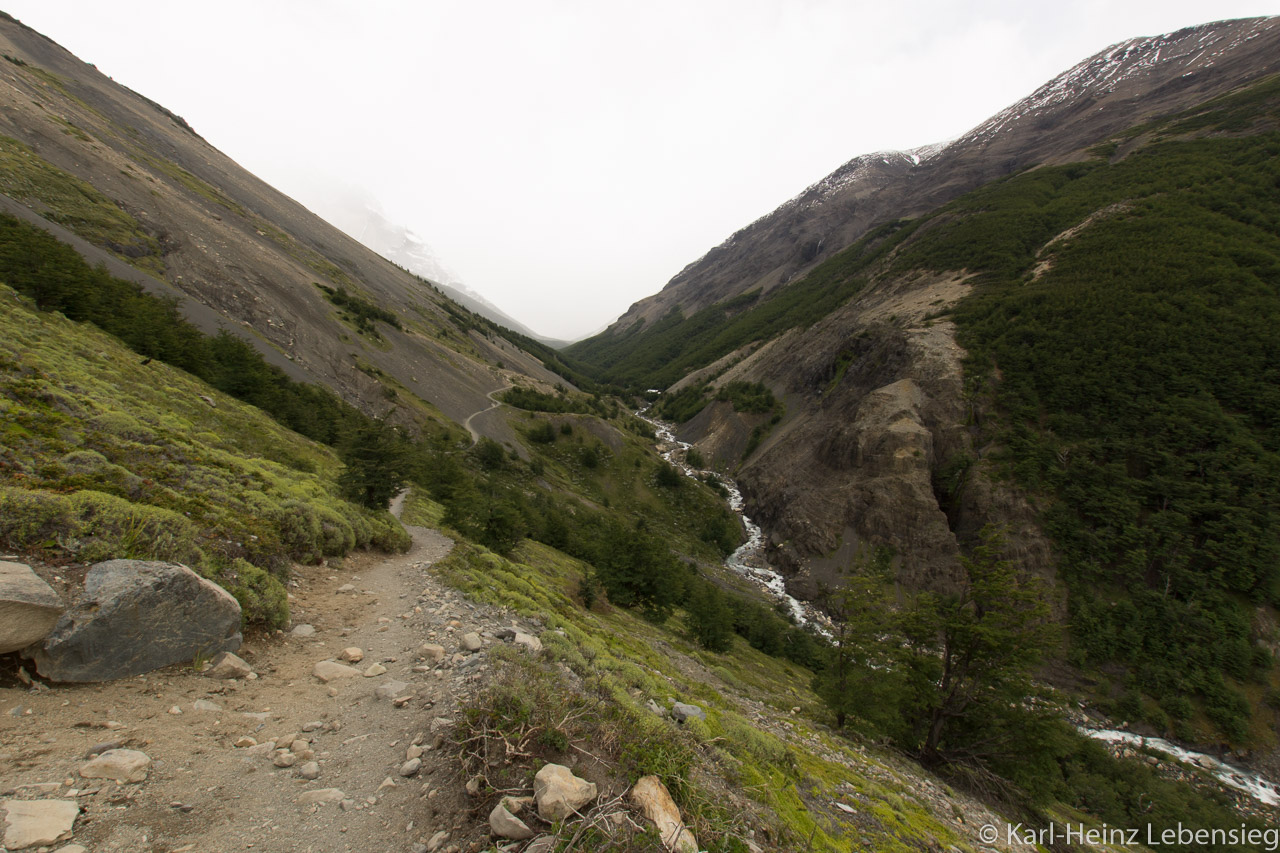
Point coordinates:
[(227, 665), (431, 652), (654, 801), (31, 823), (559, 793), (529, 641), (29, 608), (122, 765), (506, 825), (135, 616), (471, 642), (682, 712)]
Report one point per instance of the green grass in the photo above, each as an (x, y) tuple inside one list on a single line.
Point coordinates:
[(104, 456)]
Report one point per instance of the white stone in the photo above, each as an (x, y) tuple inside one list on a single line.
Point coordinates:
[(654, 801), (303, 630), (352, 654), (205, 705), (29, 823), (322, 795), (327, 670), (375, 670), (472, 642), (506, 825), (309, 770), (227, 665), (559, 793), (122, 765), (29, 608), (390, 689), (411, 767), (431, 652)]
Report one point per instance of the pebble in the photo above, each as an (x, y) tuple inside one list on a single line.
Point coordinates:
[(303, 630), (310, 770), (390, 689), (205, 705), (352, 654), (472, 642), (175, 710), (327, 670), (313, 726), (245, 742), (414, 751), (322, 795), (347, 587), (375, 670), (411, 767), (284, 759), (122, 765)]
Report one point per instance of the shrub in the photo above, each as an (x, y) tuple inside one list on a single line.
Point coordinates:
[(263, 599)]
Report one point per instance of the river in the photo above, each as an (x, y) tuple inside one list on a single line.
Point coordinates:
[(749, 562), (749, 559)]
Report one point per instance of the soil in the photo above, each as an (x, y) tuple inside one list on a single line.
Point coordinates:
[(203, 793)]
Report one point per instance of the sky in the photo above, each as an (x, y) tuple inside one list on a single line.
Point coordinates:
[(565, 158)]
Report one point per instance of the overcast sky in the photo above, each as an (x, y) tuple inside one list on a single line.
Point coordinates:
[(567, 157)]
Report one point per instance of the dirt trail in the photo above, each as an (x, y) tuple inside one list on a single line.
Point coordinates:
[(206, 795), (475, 436)]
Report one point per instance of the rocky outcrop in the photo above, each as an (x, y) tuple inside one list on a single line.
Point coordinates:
[(29, 608), (135, 616)]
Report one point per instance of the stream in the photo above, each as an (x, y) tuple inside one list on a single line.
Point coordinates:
[(749, 562)]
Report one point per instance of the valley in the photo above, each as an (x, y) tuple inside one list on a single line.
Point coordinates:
[(940, 501)]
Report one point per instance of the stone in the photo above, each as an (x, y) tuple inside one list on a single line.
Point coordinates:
[(414, 751), (309, 770), (506, 825), (529, 641), (375, 669), (471, 642), (431, 652), (245, 742), (321, 795), (135, 616), (303, 630), (72, 848), (352, 654), (30, 823), (29, 608), (327, 670), (284, 759), (437, 841), (559, 793), (541, 844), (411, 767), (683, 712), (313, 726), (205, 705), (347, 587), (122, 765), (226, 665), (655, 708), (390, 689), (654, 801)]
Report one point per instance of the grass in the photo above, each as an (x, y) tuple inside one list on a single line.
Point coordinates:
[(730, 775), (104, 456)]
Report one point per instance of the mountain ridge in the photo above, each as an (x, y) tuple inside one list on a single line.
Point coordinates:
[(1123, 82)]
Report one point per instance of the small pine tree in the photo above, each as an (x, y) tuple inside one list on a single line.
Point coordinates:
[(375, 458)]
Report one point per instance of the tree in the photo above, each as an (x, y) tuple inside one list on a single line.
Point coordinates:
[(375, 458), (946, 676)]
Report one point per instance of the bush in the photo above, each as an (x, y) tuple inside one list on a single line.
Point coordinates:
[(263, 599)]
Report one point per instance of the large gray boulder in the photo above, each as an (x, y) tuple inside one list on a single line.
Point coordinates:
[(29, 608), (135, 616)]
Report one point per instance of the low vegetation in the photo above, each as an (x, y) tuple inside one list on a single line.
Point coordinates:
[(103, 455)]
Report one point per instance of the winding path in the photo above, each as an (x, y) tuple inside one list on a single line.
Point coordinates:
[(475, 436)]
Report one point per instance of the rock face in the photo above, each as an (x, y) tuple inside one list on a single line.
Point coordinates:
[(559, 793), (30, 823), (654, 800), (29, 608), (135, 616)]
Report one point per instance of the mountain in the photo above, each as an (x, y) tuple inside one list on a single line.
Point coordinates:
[(137, 183), (362, 217), (1059, 326), (1108, 92)]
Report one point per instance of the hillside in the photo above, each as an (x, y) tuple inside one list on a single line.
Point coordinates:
[(1082, 353), (134, 180)]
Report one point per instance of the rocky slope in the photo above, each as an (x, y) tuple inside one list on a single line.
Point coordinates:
[(1116, 88), (138, 182)]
